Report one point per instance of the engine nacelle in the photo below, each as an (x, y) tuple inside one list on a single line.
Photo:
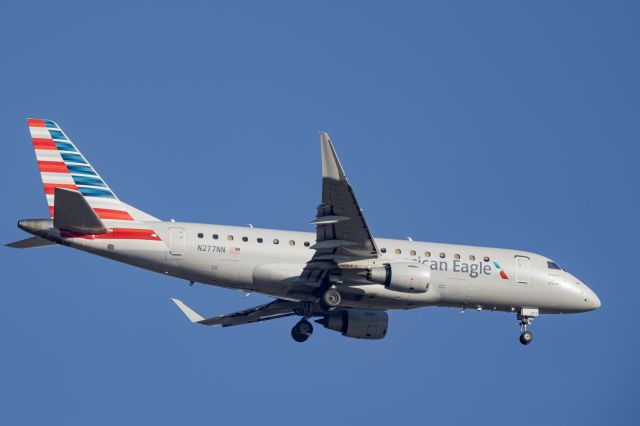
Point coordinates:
[(357, 323), (408, 277)]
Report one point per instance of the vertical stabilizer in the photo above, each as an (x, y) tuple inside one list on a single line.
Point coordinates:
[(62, 165)]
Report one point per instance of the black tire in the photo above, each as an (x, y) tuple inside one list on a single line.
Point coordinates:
[(304, 328), (297, 336), (331, 298), (526, 338)]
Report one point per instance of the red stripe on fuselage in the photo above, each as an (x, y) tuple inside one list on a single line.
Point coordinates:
[(53, 166), (113, 214), (116, 234), (41, 143), (135, 234)]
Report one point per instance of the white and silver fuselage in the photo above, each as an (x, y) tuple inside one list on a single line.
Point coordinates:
[(270, 261)]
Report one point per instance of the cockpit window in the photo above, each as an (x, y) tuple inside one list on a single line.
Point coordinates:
[(553, 265)]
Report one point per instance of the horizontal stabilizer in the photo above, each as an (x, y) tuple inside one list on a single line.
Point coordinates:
[(31, 242), (73, 213)]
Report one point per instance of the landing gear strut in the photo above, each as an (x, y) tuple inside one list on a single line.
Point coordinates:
[(526, 337), (301, 331)]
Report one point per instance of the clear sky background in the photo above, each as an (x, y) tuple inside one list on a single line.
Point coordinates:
[(509, 124)]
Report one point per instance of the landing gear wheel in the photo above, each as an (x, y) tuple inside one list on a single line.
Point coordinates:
[(525, 321), (526, 338), (301, 331), (331, 298)]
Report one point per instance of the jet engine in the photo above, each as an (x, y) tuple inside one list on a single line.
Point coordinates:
[(357, 323), (408, 277)]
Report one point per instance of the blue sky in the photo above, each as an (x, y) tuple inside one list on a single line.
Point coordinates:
[(508, 124)]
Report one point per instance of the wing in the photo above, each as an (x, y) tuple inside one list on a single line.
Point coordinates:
[(277, 309), (342, 233)]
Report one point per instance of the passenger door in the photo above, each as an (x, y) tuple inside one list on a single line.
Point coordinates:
[(523, 269), (177, 242)]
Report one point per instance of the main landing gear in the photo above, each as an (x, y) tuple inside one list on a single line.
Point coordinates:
[(331, 299), (301, 331)]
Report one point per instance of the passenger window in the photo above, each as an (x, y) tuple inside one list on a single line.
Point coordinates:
[(383, 250), (412, 252), (427, 254), (245, 239), (260, 240), (486, 258), (398, 251), (306, 244), (472, 257), (292, 243), (442, 255), (200, 235), (553, 265), (215, 236), (276, 241), (456, 256), (230, 237)]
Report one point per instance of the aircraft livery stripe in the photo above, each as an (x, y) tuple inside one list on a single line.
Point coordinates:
[(40, 143), (109, 214), (36, 122), (112, 214), (50, 188), (117, 234), (52, 166)]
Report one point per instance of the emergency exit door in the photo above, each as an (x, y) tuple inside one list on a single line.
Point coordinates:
[(523, 269), (177, 243)]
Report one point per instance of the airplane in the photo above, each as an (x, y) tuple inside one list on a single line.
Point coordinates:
[(341, 274)]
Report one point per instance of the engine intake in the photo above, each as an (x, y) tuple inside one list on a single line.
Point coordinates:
[(357, 323), (408, 277)]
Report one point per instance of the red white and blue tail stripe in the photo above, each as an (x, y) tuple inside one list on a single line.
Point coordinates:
[(62, 165)]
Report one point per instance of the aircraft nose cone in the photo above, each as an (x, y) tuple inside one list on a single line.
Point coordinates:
[(592, 299), (595, 301)]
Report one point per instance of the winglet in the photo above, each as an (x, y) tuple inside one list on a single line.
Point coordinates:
[(331, 167), (190, 313)]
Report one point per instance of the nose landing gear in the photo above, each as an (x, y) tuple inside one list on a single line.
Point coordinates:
[(526, 337), (525, 318)]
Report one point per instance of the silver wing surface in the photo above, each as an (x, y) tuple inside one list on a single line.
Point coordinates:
[(342, 233)]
